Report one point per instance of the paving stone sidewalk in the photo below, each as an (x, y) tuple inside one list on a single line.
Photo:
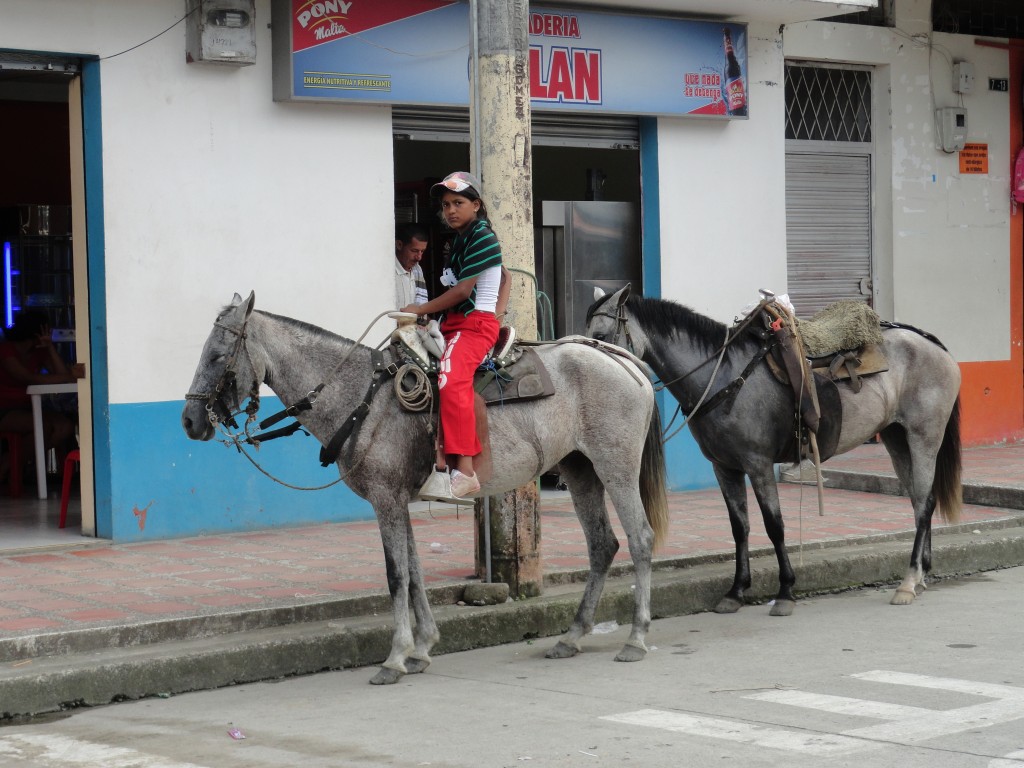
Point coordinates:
[(103, 585)]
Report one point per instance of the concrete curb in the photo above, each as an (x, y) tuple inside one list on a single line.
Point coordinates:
[(1002, 496), (52, 683)]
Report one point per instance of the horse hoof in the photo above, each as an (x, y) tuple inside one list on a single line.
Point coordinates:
[(728, 605), (782, 608), (386, 676), (562, 651), (631, 653), (415, 666), (903, 597)]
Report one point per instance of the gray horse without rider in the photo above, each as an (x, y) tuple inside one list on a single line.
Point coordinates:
[(601, 429), (914, 406)]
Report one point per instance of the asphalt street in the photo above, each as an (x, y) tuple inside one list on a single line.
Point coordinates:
[(848, 680)]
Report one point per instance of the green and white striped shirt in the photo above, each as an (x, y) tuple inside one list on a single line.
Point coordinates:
[(473, 254)]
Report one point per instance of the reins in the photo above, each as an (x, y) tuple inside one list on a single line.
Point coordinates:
[(227, 379), (306, 403), (731, 334)]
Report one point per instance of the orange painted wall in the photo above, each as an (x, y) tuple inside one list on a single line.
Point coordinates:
[(992, 394)]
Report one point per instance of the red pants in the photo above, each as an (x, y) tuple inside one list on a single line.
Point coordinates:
[(468, 340)]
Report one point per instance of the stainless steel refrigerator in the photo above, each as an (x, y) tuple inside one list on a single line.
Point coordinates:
[(583, 244)]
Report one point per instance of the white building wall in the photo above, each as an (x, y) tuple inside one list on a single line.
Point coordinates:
[(722, 192), (942, 259), (210, 188)]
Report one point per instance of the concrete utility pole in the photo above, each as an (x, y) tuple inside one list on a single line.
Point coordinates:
[(499, 127)]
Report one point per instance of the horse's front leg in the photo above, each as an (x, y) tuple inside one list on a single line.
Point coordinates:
[(394, 534), (767, 493), (734, 491)]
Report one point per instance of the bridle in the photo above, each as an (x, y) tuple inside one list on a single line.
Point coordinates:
[(621, 324), (217, 409), (221, 417)]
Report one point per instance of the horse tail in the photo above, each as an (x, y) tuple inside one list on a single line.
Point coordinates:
[(652, 479), (946, 487)]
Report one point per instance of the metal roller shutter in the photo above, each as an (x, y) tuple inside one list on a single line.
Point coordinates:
[(828, 229), (548, 128)]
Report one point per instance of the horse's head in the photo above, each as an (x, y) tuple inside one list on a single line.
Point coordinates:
[(214, 395), (608, 319)]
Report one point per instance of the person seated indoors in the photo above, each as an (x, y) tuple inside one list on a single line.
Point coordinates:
[(27, 356)]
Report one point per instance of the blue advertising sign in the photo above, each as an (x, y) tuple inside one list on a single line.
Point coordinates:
[(418, 52)]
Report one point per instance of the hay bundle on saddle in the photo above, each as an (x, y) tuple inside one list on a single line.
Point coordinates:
[(844, 325)]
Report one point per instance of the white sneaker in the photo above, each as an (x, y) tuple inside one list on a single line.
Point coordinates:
[(439, 488), (464, 485)]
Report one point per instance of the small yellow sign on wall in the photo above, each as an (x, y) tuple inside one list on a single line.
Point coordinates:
[(974, 158)]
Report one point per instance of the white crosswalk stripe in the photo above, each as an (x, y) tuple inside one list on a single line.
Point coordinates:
[(841, 705), (729, 730), (54, 751), (903, 724)]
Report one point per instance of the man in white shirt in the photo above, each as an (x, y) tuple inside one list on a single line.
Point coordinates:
[(410, 245)]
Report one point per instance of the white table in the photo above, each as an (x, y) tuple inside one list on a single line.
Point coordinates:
[(36, 392)]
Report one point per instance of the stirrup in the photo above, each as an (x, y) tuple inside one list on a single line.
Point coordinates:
[(439, 488)]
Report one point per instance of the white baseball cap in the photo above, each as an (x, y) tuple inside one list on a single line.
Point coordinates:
[(461, 182)]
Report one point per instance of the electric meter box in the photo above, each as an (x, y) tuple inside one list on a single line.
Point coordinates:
[(221, 32), (963, 77), (952, 123)]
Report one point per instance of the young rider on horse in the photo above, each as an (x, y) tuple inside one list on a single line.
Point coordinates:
[(477, 295)]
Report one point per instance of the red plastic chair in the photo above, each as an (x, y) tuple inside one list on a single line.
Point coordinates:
[(70, 463), (15, 446)]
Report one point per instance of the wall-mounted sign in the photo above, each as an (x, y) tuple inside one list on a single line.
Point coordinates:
[(974, 158), (417, 52), (998, 84)]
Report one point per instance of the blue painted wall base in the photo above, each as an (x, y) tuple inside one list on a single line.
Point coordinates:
[(164, 485), (686, 469)]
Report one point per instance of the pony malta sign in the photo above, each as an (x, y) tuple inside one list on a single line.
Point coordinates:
[(419, 52)]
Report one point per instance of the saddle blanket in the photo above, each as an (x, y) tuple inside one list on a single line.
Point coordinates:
[(853, 364)]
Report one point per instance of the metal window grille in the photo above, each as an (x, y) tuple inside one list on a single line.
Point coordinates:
[(991, 18), (828, 104)]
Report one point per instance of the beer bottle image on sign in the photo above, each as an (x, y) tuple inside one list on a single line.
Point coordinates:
[(735, 95)]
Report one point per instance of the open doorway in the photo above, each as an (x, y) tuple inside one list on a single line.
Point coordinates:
[(43, 275), (595, 162)]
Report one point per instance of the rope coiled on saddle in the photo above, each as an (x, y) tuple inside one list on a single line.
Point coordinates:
[(413, 389)]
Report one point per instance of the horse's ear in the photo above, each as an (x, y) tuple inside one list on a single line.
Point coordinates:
[(238, 304), (624, 294), (598, 293)]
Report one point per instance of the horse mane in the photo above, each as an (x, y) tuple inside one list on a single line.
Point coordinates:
[(665, 317), (307, 328), (299, 325)]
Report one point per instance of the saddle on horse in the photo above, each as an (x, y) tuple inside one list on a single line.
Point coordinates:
[(840, 343), (510, 372), (412, 359)]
